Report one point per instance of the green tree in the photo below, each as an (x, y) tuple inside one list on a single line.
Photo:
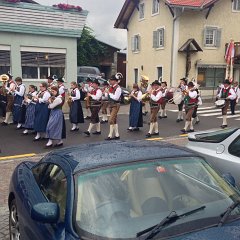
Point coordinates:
[(89, 50)]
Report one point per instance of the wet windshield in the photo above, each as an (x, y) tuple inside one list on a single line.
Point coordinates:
[(119, 202)]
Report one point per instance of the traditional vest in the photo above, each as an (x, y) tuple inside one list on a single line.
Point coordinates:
[(73, 92), (92, 101), (225, 92), (113, 89), (190, 101), (155, 93)]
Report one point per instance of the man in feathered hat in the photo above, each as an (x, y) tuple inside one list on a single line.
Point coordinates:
[(114, 96), (61, 89)]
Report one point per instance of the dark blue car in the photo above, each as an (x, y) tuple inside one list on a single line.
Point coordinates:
[(122, 190)]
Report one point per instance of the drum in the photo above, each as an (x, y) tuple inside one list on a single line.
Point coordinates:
[(220, 103), (177, 96)]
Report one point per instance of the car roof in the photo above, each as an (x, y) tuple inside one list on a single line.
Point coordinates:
[(95, 155)]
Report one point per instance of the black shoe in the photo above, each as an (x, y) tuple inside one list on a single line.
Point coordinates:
[(117, 138), (109, 139), (130, 129), (164, 117), (4, 124), (136, 129), (96, 133), (87, 117), (178, 120), (25, 134), (155, 134), (58, 145), (181, 120), (160, 117), (183, 131), (18, 128), (191, 130), (148, 135), (74, 130), (48, 146), (223, 126), (102, 121), (197, 122), (37, 139), (87, 133)]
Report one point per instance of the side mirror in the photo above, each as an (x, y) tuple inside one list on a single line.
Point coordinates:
[(229, 178), (45, 212)]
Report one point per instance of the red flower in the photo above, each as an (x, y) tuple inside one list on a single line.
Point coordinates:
[(64, 6)]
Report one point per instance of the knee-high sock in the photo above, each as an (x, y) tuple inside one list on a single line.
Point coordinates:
[(98, 126), (161, 113), (156, 127), (111, 131), (187, 124), (151, 128), (191, 124), (7, 117), (116, 130), (181, 115), (88, 112), (90, 127), (165, 112), (104, 117), (224, 120)]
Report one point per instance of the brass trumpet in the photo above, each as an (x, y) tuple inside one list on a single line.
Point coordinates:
[(146, 97)]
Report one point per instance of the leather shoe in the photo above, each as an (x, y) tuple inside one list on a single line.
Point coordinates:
[(183, 131), (48, 146), (223, 126), (191, 130), (109, 139), (178, 120), (155, 134), (37, 139), (4, 124), (148, 135), (96, 133), (87, 133), (136, 129), (58, 145), (117, 138), (74, 130)]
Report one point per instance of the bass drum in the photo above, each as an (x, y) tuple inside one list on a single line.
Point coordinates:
[(177, 96), (220, 103)]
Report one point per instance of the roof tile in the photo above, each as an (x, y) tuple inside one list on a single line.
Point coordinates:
[(191, 3)]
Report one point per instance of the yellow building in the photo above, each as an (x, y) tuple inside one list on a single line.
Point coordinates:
[(171, 39)]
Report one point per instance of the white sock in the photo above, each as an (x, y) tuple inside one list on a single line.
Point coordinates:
[(197, 118), (25, 131), (74, 126), (7, 117), (98, 127), (156, 127), (161, 113), (187, 123), (130, 128), (110, 131), (116, 130), (49, 142), (38, 135), (88, 112), (191, 124), (224, 120), (60, 141), (165, 112), (151, 128), (181, 115), (90, 127), (19, 125)]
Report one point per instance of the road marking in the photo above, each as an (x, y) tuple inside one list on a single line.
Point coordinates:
[(17, 156), (232, 116), (215, 114), (199, 108), (183, 135), (154, 139)]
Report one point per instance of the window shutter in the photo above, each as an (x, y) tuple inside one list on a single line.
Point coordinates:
[(139, 42), (132, 44), (163, 37), (204, 36), (218, 37), (155, 39)]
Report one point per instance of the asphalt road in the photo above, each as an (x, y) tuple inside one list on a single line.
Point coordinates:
[(12, 142)]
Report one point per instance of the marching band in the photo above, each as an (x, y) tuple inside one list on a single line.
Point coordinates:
[(41, 111)]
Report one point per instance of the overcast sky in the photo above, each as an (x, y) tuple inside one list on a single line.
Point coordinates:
[(101, 18)]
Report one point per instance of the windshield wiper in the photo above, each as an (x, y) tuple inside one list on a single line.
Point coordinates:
[(228, 212), (168, 220)]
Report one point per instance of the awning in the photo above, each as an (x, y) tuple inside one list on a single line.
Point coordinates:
[(199, 65)]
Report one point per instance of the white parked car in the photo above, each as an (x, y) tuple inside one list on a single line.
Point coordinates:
[(221, 148)]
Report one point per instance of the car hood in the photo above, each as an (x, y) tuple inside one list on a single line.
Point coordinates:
[(229, 232)]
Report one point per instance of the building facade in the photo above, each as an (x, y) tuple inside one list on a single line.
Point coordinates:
[(171, 39), (36, 41)]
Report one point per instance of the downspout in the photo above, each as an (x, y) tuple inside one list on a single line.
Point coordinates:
[(175, 38)]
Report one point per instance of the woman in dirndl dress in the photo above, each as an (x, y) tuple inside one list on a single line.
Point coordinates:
[(41, 111), (76, 112), (135, 115), (30, 109), (56, 129)]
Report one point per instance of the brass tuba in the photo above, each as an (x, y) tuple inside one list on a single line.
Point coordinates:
[(144, 81), (146, 97), (4, 78)]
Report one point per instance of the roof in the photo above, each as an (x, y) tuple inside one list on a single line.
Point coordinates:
[(95, 155), (191, 3), (129, 6), (190, 45)]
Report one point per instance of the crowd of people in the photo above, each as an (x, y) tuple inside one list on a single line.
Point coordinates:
[(40, 111)]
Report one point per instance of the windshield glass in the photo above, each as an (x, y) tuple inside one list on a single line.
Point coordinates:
[(118, 202)]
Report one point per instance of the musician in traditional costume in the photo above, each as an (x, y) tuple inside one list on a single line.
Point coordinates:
[(144, 89), (104, 102), (156, 96), (233, 102), (163, 110), (190, 102), (195, 116), (30, 109), (87, 88), (61, 89), (95, 104), (56, 130), (135, 113), (183, 87), (41, 111), (18, 103), (114, 96), (76, 111), (10, 87), (226, 93), (3, 95), (51, 81)]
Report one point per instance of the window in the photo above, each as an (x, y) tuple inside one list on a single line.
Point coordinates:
[(212, 37), (159, 72), (210, 77), (155, 7), (135, 75), (141, 11), (4, 61), (234, 148), (39, 65), (53, 184), (136, 43), (158, 38), (236, 5)]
